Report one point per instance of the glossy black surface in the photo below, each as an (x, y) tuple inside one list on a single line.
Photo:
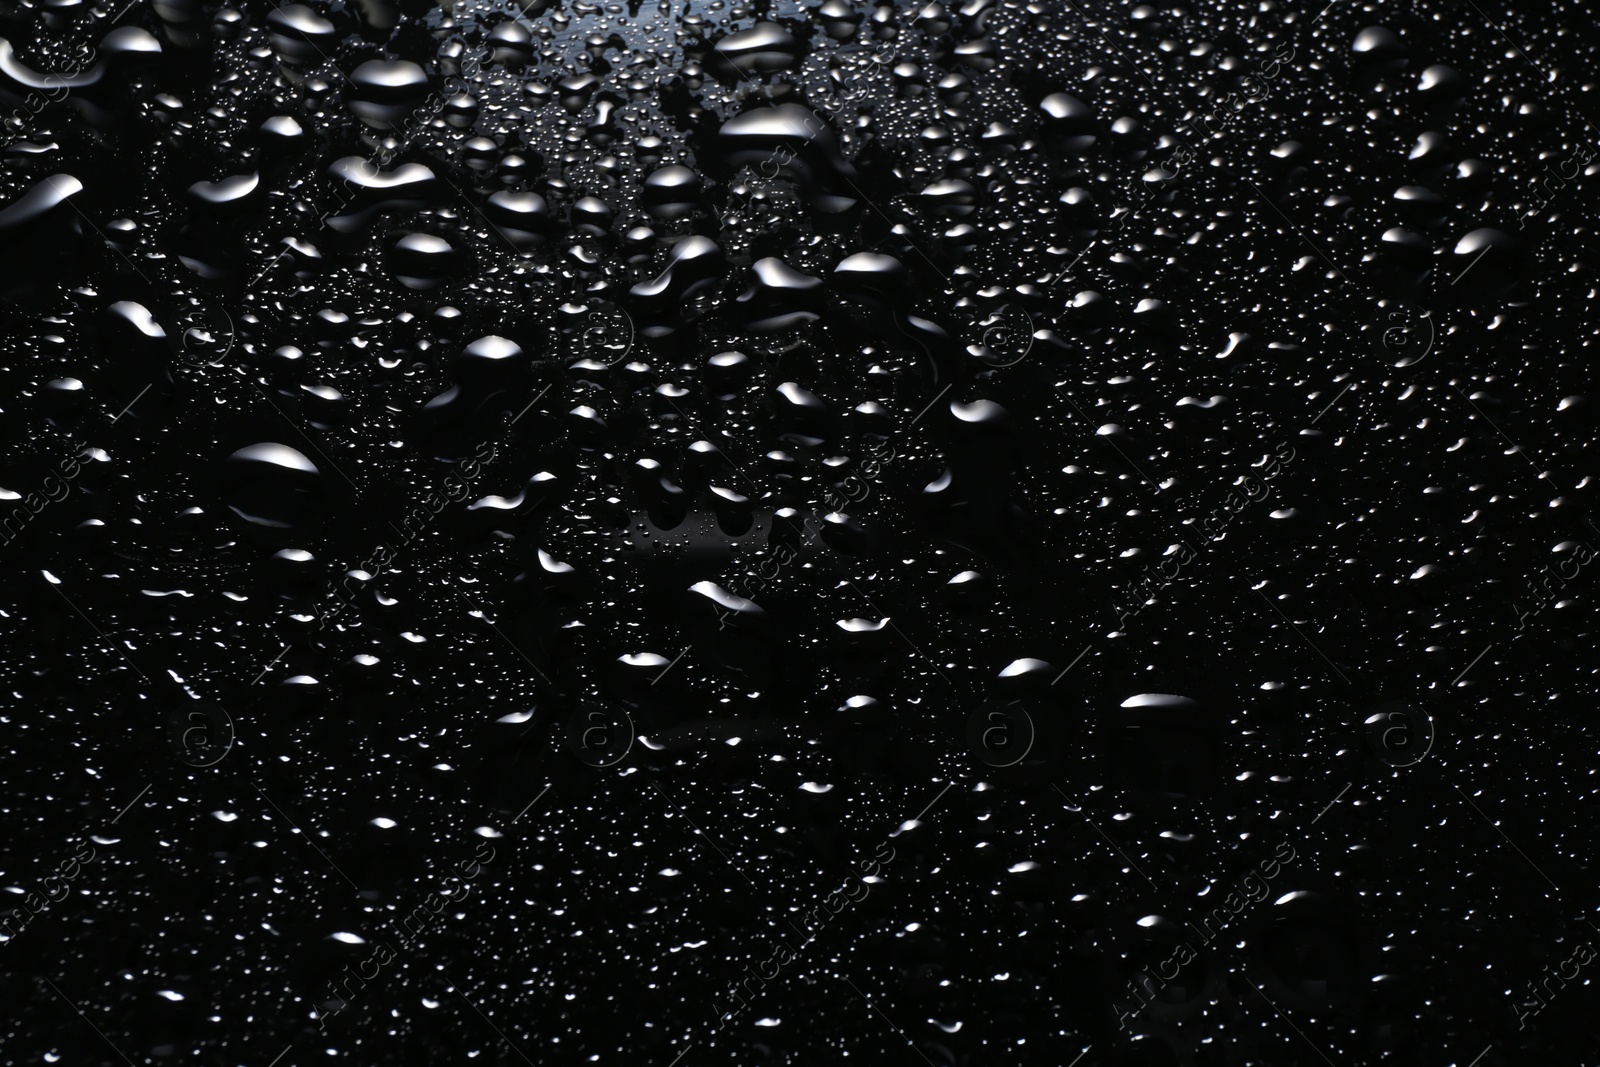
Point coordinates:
[(1045, 533)]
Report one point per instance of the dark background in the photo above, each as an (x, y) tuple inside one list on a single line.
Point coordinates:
[(1074, 346)]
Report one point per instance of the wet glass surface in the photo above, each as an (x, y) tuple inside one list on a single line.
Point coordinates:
[(576, 533)]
